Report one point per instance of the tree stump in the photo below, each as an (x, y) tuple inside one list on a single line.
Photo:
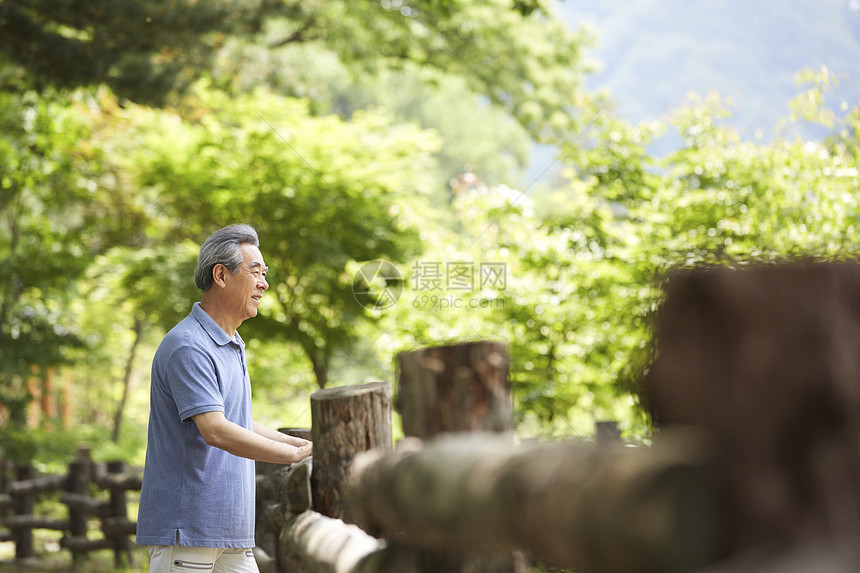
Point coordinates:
[(345, 421), (456, 388)]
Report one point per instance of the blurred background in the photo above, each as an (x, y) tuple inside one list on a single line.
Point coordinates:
[(530, 168)]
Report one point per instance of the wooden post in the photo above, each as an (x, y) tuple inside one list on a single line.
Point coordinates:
[(119, 511), (607, 433), (274, 487), (766, 359), (303, 433), (453, 388), (345, 421), (24, 505), (457, 388), (4, 466), (80, 475)]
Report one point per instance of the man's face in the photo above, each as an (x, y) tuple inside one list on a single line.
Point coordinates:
[(246, 287)]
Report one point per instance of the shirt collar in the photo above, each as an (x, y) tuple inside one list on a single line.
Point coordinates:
[(215, 332)]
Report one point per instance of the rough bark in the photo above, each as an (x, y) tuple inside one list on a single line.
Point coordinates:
[(326, 545), (290, 486), (622, 510), (767, 361), (456, 388), (298, 487), (345, 421)]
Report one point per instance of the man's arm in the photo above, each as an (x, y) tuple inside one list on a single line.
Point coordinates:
[(219, 432), (278, 436)]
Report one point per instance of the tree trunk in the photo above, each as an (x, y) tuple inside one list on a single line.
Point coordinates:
[(345, 421), (456, 388), (622, 510), (320, 368), (49, 399), (126, 382)]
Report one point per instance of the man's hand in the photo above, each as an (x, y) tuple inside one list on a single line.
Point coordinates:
[(303, 445), (263, 444)]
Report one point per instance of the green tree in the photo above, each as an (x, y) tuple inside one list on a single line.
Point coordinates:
[(58, 212), (45, 238), (320, 191), (523, 59), (585, 263)]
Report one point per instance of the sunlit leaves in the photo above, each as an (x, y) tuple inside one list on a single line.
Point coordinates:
[(320, 191)]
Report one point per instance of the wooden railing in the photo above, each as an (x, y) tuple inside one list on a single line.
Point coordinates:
[(75, 488)]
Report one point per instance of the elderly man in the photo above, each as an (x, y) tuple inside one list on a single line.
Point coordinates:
[(197, 502)]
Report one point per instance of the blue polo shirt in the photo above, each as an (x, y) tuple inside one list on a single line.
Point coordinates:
[(194, 494)]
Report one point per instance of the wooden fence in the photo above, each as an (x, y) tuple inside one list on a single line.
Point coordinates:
[(76, 487), (458, 494), (756, 465)]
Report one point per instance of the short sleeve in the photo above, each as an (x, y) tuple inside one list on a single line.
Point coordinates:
[(193, 382)]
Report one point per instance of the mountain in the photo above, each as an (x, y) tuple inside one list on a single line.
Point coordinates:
[(653, 52)]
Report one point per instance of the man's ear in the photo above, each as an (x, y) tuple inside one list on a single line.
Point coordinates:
[(218, 275)]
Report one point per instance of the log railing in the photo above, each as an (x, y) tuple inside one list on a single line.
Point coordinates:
[(465, 497)]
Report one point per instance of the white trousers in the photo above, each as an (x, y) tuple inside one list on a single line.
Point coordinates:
[(178, 559)]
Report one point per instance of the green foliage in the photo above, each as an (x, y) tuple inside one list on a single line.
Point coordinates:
[(524, 60), (584, 266), (50, 451), (320, 191), (105, 202), (142, 50), (527, 62), (45, 238)]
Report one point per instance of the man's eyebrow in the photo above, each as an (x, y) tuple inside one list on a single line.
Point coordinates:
[(257, 264)]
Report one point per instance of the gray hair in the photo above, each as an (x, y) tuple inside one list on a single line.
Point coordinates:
[(222, 248)]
